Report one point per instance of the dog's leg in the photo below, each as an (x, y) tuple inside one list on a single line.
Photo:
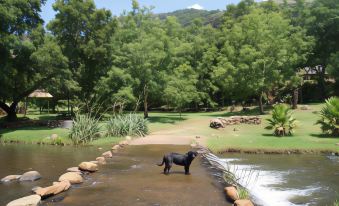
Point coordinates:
[(187, 169)]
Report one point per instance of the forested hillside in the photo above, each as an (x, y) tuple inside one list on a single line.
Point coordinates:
[(187, 16)]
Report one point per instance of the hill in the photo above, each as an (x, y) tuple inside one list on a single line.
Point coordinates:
[(187, 16)]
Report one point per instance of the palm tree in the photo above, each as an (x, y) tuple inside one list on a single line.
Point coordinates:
[(329, 121), (282, 121)]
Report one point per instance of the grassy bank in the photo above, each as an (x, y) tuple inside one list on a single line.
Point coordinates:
[(248, 138)]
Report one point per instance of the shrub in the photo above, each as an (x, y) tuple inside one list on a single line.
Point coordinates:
[(84, 129), (282, 122), (127, 124), (243, 193), (329, 121)]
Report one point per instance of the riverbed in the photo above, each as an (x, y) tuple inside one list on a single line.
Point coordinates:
[(131, 177)]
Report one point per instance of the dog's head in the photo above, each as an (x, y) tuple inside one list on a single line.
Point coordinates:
[(192, 154)]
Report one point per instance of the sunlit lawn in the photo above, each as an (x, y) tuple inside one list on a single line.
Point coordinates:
[(247, 137)]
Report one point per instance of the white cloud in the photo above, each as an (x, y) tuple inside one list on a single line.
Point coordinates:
[(196, 6)]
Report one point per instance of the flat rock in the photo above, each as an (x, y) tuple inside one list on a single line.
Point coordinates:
[(88, 166), (123, 143), (32, 200), (56, 188), (243, 203), (231, 193), (30, 176), (72, 177), (73, 169), (10, 178), (101, 160), (116, 147), (107, 154)]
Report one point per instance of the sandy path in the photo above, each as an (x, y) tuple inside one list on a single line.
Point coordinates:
[(181, 134)]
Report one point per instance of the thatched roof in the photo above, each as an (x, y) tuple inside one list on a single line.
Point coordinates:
[(40, 93)]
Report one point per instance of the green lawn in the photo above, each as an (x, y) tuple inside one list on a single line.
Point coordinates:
[(307, 136), (248, 137)]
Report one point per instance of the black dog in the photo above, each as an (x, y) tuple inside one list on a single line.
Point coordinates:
[(178, 159)]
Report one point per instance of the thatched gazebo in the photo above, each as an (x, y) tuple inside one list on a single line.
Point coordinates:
[(41, 94)]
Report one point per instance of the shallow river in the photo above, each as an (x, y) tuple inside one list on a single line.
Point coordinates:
[(130, 177)]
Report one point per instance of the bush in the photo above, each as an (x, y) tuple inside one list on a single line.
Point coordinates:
[(282, 122), (84, 129), (128, 124), (329, 121)]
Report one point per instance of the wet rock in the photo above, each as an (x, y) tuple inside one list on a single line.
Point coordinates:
[(32, 200), (72, 177), (123, 143), (56, 188), (101, 160), (116, 147), (243, 203), (107, 154), (30, 176), (231, 193), (88, 166), (10, 178), (73, 169)]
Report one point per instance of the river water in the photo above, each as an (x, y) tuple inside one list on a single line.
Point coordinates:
[(287, 180), (132, 178), (129, 178)]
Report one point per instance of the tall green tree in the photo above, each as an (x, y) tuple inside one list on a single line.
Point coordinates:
[(265, 50), (181, 89), (84, 33), (28, 60)]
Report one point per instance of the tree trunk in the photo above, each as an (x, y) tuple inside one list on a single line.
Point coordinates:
[(261, 106), (295, 99), (145, 102), (10, 110)]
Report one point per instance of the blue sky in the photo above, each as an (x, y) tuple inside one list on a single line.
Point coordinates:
[(118, 6)]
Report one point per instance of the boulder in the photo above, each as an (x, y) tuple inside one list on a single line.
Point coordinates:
[(116, 147), (101, 160), (231, 193), (32, 200), (216, 123), (30, 176), (243, 203), (88, 166), (72, 177), (107, 154), (123, 143), (56, 188), (10, 178), (73, 169)]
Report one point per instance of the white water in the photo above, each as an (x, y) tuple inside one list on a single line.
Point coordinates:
[(265, 188)]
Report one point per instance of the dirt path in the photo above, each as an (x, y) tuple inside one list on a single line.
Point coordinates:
[(181, 134)]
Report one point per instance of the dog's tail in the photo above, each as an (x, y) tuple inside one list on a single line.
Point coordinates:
[(163, 161)]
